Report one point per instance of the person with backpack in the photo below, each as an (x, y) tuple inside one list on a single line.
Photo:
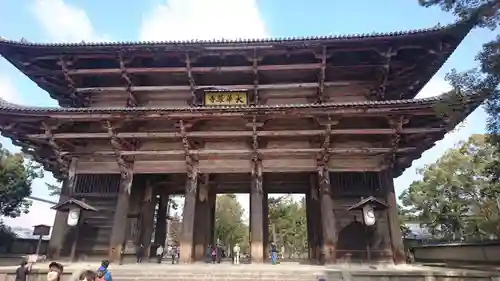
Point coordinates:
[(103, 273)]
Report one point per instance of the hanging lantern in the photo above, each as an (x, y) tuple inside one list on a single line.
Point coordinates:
[(369, 214), (73, 215)]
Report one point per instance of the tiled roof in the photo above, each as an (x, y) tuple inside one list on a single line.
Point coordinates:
[(278, 40), (13, 108)]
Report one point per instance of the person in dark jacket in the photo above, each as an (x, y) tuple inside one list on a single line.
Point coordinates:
[(23, 270), (139, 253)]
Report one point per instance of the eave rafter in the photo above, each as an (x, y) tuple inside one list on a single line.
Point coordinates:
[(132, 98), (125, 165)]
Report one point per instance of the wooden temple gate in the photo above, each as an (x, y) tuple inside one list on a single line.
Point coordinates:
[(331, 117)]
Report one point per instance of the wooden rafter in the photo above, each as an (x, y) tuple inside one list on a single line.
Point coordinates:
[(255, 62), (239, 134), (322, 76), (192, 83), (132, 99)]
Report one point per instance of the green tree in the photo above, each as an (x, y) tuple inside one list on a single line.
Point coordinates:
[(486, 78), (229, 226), (290, 223), (16, 176), (455, 197), (7, 235)]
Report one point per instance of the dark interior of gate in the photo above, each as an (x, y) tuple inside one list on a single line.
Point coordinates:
[(148, 211)]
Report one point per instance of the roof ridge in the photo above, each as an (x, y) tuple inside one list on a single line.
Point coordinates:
[(24, 42)]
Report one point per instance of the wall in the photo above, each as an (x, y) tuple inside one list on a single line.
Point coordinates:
[(466, 253), (24, 246)]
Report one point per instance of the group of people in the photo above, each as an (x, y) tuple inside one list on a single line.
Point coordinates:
[(24, 269), (102, 273), (172, 251)]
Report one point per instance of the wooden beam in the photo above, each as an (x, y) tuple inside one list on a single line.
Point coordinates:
[(237, 134), (208, 69), (226, 87), (132, 99), (244, 152)]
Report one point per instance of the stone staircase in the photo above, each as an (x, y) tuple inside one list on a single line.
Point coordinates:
[(290, 272), (219, 272)]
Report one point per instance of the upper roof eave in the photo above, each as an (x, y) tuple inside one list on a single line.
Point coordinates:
[(460, 28), (14, 109)]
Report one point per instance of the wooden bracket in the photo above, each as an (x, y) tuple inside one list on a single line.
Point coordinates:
[(70, 82), (132, 98), (322, 77), (56, 149), (192, 83), (255, 62), (396, 123), (191, 162), (125, 165)]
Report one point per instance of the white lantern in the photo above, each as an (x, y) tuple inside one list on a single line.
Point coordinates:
[(73, 216), (368, 214)]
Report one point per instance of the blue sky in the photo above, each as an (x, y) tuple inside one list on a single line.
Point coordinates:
[(114, 20)]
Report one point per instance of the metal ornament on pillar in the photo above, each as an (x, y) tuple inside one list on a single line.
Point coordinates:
[(369, 215), (73, 216)]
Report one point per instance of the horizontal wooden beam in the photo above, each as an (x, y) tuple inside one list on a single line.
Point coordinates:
[(227, 87), (213, 69), (232, 134), (243, 152)]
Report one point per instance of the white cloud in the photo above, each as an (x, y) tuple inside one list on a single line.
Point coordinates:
[(40, 213), (64, 22), (202, 19), (7, 90)]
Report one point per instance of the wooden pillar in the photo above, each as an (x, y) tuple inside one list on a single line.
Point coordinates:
[(119, 230), (327, 216), (314, 220), (256, 215), (161, 220), (148, 217), (212, 198), (265, 226), (397, 246), (60, 226), (202, 220), (311, 244), (188, 216)]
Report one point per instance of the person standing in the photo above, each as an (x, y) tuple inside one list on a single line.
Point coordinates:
[(23, 270), (139, 253), (106, 274), (236, 253), (274, 253), (173, 253), (214, 254), (159, 253)]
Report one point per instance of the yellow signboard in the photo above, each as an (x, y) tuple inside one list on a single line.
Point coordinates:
[(226, 98)]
